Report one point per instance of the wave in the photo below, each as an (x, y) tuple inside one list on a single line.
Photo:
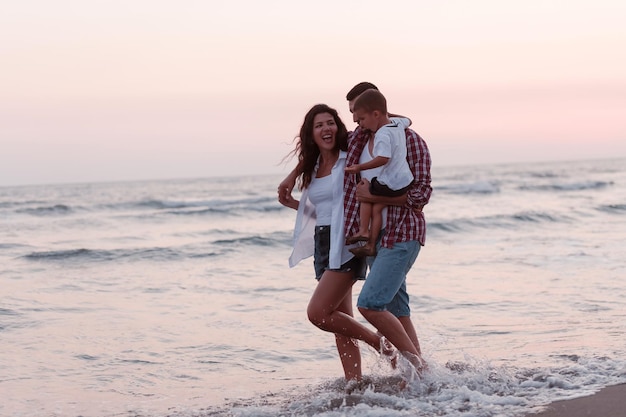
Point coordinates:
[(509, 221), (154, 204), (478, 187), (46, 210), (190, 251), (8, 312), (574, 186), (224, 210), (12, 245), (9, 204), (201, 207), (164, 206), (454, 389), (490, 187), (102, 255), (613, 208), (281, 238), (248, 241)]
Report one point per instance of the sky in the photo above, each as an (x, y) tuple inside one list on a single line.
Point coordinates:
[(117, 90)]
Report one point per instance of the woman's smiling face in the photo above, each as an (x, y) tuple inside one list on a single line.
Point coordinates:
[(325, 131)]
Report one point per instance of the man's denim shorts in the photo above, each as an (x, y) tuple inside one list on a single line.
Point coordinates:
[(385, 286)]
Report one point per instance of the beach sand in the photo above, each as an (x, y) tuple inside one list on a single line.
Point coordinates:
[(608, 402)]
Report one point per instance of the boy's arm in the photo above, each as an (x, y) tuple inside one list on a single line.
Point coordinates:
[(374, 163)]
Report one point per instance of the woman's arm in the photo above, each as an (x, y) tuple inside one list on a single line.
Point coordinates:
[(284, 190)]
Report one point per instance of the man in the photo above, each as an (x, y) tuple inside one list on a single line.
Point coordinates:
[(384, 301)]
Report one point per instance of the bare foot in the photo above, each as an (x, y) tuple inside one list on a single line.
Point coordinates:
[(388, 351), (357, 238), (411, 370), (357, 385), (364, 251), (418, 363)]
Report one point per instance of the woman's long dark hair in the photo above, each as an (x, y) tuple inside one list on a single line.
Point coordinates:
[(307, 151)]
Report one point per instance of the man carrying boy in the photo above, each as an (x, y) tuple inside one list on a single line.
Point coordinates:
[(384, 301)]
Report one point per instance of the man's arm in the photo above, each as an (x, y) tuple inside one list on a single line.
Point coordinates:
[(418, 158), (364, 195), (418, 195)]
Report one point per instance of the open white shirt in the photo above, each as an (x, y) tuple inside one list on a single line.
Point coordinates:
[(304, 230), (390, 142)]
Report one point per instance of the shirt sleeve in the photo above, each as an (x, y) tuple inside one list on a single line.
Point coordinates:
[(418, 158), (382, 143), (402, 122)]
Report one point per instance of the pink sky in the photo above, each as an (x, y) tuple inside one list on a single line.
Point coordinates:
[(116, 90)]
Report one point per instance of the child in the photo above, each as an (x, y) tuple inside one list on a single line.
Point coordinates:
[(388, 151)]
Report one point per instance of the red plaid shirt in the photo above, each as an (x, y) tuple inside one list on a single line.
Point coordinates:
[(403, 222)]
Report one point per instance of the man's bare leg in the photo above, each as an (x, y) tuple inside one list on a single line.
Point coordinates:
[(407, 323), (393, 329)]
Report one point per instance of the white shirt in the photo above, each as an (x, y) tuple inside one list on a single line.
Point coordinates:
[(390, 142), (321, 196), (304, 230)]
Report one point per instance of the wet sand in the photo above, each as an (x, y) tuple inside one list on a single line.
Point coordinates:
[(608, 402)]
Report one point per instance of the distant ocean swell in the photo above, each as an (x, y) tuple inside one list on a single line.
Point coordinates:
[(239, 206), (217, 247), (159, 206), (612, 208), (221, 246), (576, 186), (492, 187), (204, 250), (506, 221)]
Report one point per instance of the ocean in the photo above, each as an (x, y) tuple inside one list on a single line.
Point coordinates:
[(174, 298)]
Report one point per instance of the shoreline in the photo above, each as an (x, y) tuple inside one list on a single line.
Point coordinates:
[(608, 402)]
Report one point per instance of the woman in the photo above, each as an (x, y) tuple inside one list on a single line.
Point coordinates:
[(319, 231)]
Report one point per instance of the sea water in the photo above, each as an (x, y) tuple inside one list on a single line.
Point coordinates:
[(174, 298)]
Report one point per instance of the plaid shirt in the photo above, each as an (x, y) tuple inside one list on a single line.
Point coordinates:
[(403, 222)]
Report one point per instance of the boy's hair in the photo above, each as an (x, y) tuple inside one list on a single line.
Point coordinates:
[(359, 89), (371, 100)]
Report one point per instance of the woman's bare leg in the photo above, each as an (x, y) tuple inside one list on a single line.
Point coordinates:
[(348, 348), (330, 309)]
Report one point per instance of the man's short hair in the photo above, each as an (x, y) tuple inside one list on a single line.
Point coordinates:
[(359, 89)]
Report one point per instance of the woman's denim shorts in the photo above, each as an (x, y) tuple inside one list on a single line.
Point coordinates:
[(321, 256)]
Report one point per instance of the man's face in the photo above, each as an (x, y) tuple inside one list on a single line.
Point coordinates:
[(351, 107)]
